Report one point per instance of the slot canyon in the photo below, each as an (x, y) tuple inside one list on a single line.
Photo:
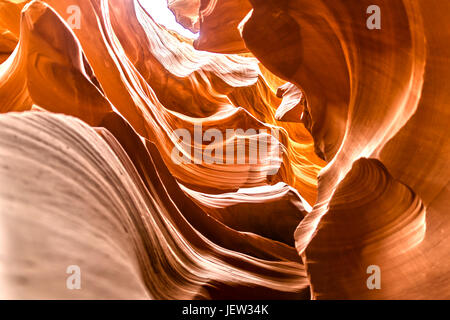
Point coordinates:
[(274, 149)]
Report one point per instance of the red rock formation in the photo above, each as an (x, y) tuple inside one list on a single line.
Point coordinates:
[(91, 179), (186, 13), (370, 93), (292, 108), (217, 22), (98, 75)]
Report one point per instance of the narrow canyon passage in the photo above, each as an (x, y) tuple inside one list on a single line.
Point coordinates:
[(224, 149)]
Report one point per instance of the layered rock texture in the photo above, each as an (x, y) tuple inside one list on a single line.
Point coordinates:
[(120, 139)]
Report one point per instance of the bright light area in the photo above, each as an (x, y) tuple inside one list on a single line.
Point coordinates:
[(161, 14)]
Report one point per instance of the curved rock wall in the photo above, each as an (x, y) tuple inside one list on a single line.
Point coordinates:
[(98, 103)]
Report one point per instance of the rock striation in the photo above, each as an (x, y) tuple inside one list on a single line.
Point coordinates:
[(121, 150)]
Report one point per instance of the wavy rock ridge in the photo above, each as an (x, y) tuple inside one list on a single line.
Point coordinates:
[(354, 175)]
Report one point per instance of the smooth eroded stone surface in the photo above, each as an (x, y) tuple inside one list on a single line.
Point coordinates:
[(120, 139)]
